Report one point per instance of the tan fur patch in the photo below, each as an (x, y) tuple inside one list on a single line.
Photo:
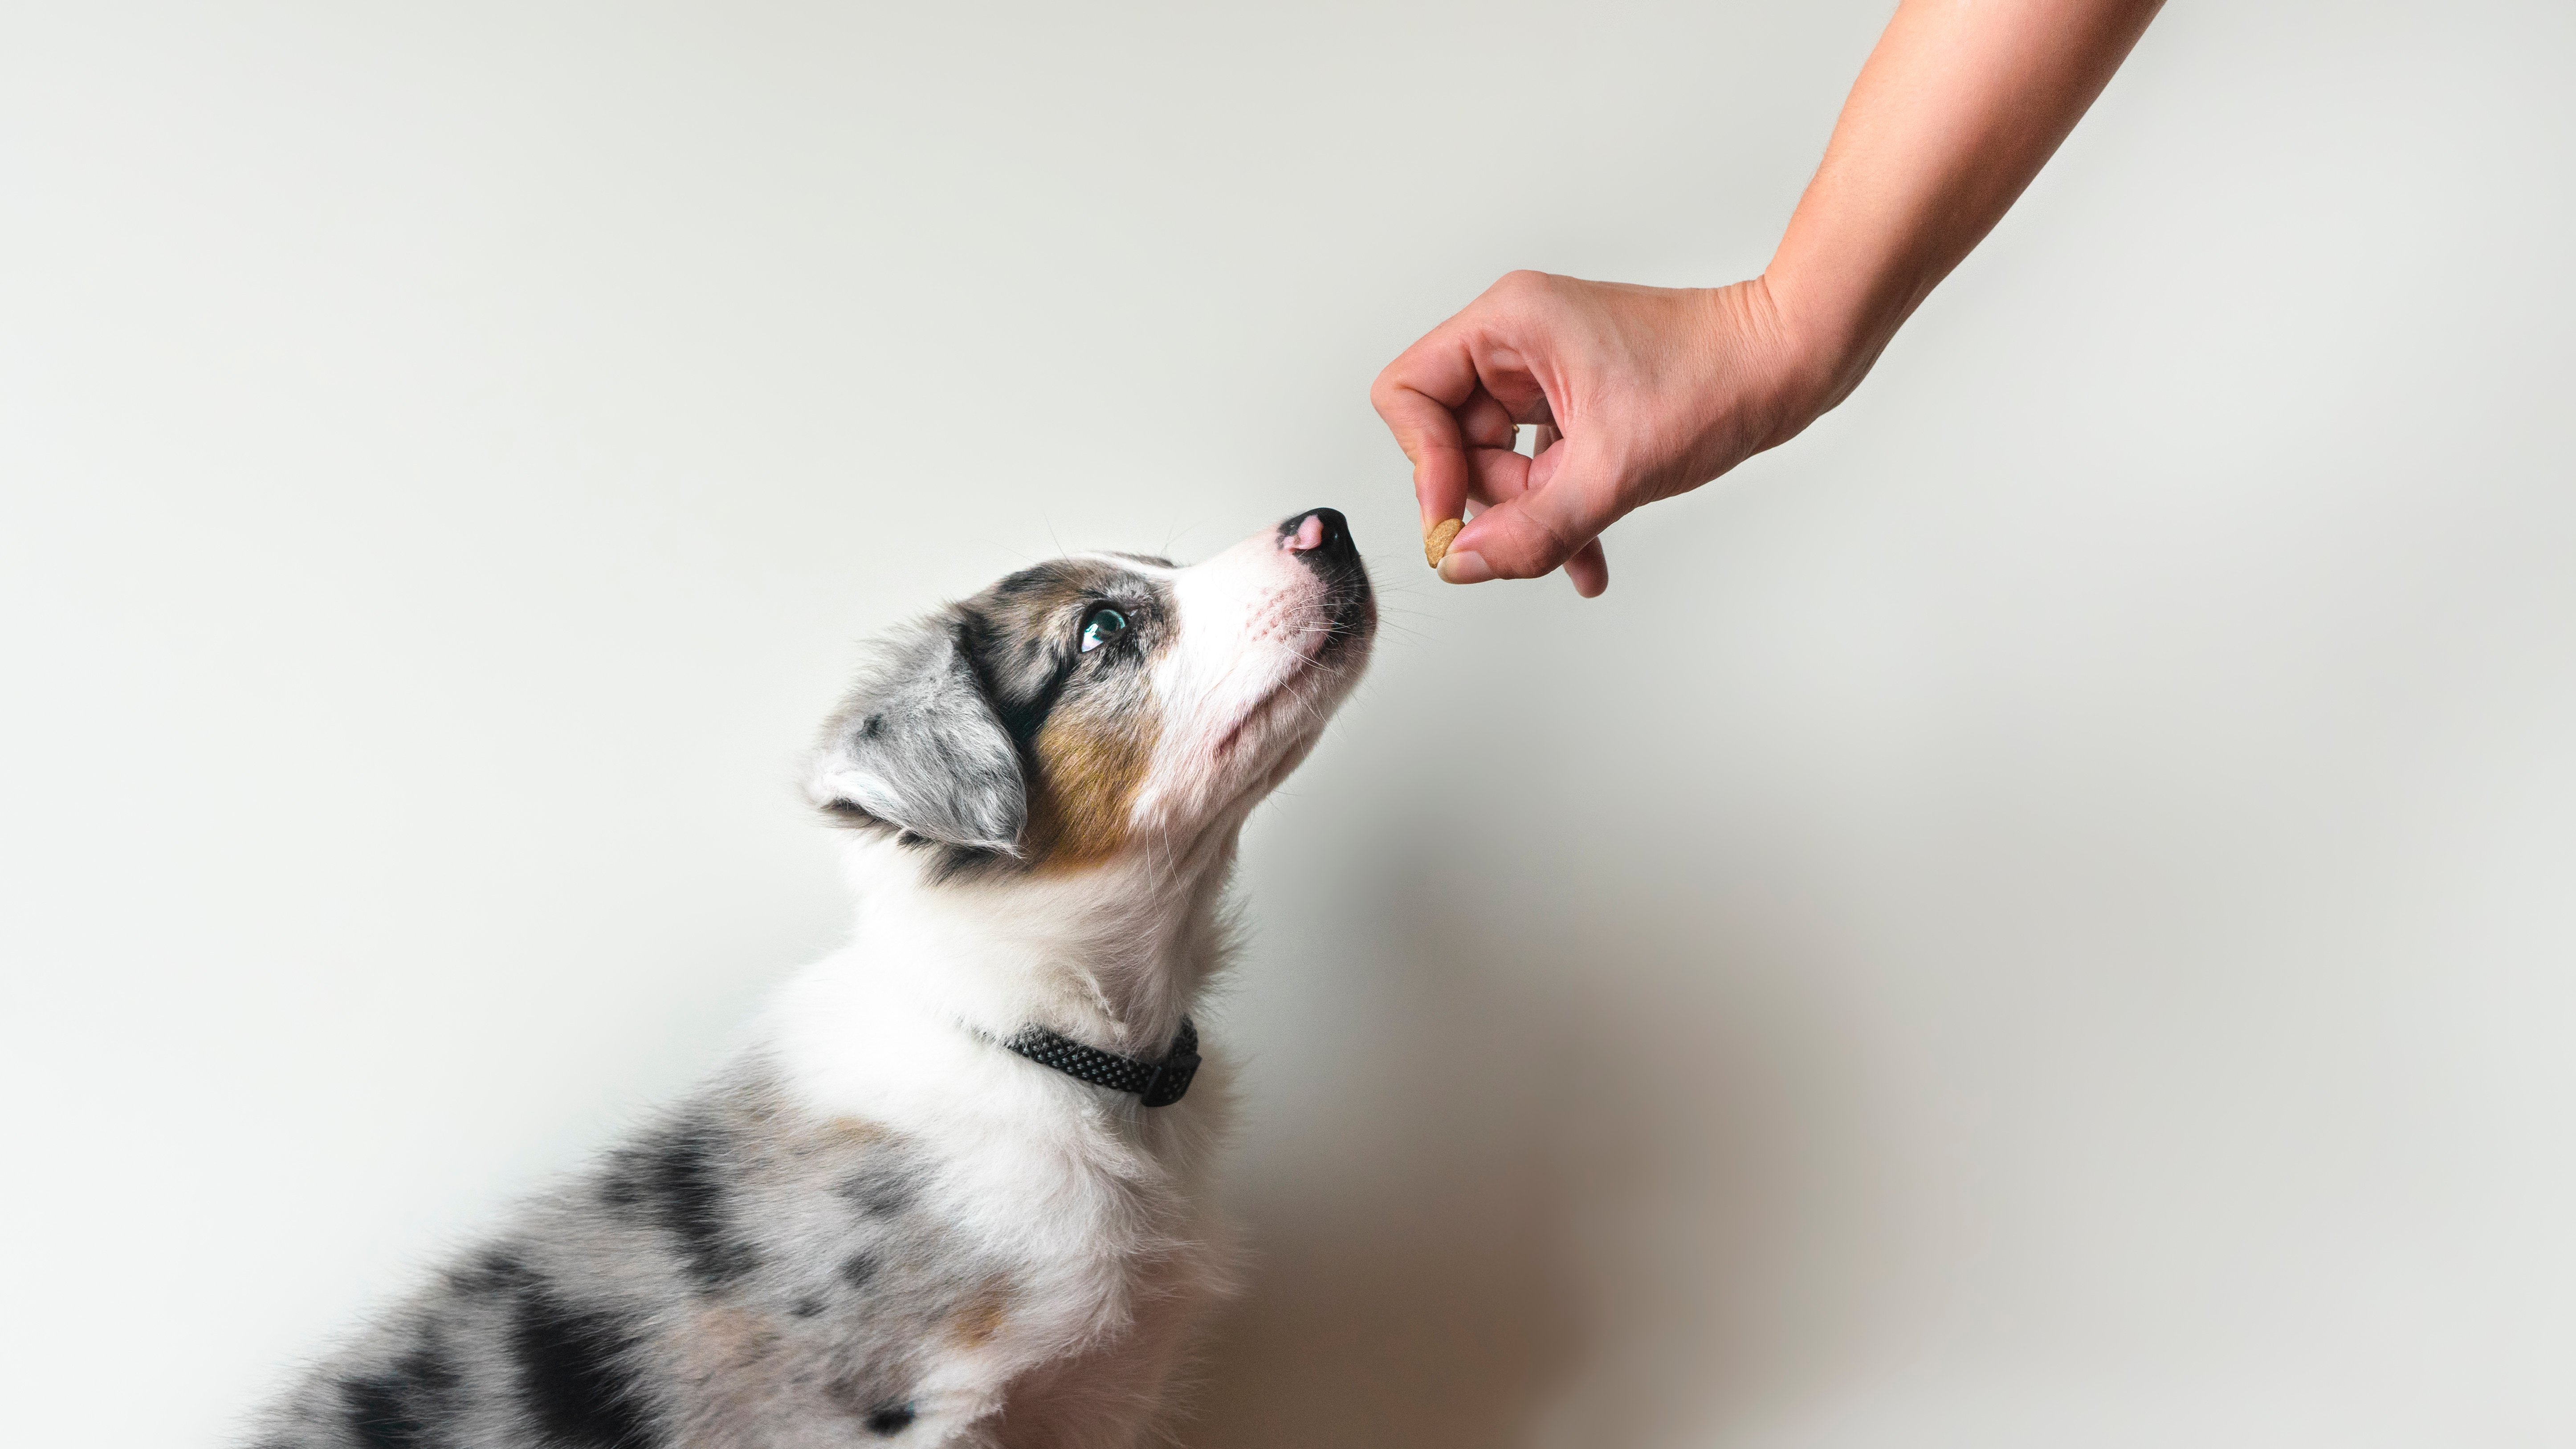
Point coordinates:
[(728, 1355), (981, 1320), (840, 1134), (725, 1339), (1089, 770)]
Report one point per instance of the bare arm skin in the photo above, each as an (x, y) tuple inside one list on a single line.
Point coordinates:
[(1645, 392)]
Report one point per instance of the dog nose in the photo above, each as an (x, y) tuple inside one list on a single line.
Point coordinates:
[(1320, 538), (1321, 534)]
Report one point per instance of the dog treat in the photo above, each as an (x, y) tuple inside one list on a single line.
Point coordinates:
[(1435, 544)]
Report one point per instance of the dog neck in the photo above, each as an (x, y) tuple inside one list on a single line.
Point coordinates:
[(1110, 954)]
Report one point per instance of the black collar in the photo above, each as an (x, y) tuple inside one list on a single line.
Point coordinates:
[(1158, 1084)]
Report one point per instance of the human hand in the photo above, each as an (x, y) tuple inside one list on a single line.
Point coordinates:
[(1655, 392), (1640, 393)]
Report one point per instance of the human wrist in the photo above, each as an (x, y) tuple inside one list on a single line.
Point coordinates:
[(1787, 367), (1830, 331)]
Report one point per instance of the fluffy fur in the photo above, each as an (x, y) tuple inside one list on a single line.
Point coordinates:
[(875, 1225)]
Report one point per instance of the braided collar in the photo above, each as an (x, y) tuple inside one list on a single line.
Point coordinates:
[(1156, 1084)]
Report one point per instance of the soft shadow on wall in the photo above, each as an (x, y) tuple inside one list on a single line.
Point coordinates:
[(1601, 1169)]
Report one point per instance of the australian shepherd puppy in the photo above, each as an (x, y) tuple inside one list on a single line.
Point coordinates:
[(952, 1190)]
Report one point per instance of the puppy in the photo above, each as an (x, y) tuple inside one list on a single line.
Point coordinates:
[(952, 1191)]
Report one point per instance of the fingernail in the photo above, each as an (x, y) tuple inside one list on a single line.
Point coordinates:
[(1465, 568)]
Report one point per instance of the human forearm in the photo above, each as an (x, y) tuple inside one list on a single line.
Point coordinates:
[(1957, 109)]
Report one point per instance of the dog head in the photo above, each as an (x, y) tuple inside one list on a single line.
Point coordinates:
[(1100, 706)]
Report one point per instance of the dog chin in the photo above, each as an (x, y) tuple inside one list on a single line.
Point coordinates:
[(1292, 716), (1275, 733)]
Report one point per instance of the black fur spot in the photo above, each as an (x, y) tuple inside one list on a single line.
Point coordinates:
[(879, 1190), (957, 862), (1033, 583), (859, 1269), (570, 1378), (401, 1409), (889, 1419), (378, 1417), (806, 1307), (493, 1272), (676, 1180)]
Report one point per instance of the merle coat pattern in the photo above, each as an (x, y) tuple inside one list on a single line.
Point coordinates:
[(874, 1225)]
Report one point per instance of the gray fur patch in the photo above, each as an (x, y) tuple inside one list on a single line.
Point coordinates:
[(917, 747), (701, 1286)]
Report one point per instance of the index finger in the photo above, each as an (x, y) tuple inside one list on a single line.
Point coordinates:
[(1419, 395)]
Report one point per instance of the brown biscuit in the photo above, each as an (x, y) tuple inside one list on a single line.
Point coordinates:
[(1435, 544)]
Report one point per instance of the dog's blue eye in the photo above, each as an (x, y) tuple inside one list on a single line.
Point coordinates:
[(1103, 626)]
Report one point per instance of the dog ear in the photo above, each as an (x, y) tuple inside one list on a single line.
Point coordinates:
[(919, 748)]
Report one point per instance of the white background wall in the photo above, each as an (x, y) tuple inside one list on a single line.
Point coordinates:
[(2039, 914)]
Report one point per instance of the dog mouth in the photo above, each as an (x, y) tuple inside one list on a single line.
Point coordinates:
[(1262, 709), (1344, 625)]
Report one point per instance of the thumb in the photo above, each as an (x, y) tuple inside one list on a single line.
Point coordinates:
[(1535, 532)]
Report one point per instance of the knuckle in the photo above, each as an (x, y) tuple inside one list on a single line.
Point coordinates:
[(1513, 292), (1533, 546), (1560, 541), (1398, 400)]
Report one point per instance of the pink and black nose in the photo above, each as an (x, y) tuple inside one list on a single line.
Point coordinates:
[(1321, 539)]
